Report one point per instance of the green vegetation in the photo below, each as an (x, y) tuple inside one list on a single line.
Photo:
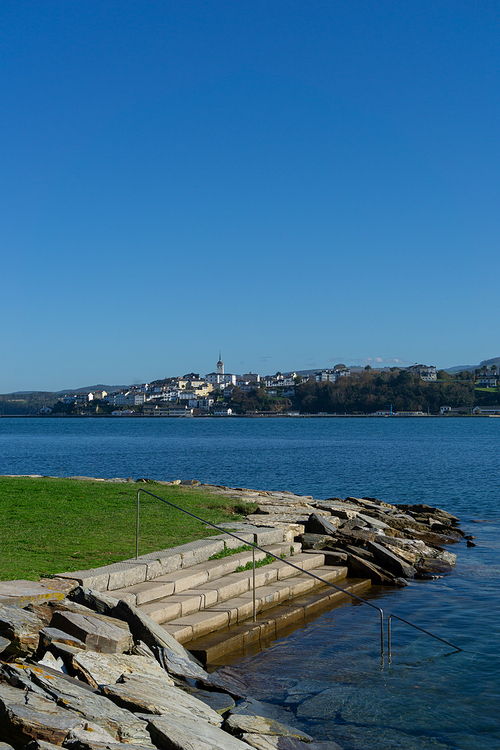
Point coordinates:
[(229, 552), (51, 526), (258, 564)]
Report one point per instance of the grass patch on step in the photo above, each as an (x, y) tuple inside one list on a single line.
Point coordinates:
[(52, 525), (229, 552), (267, 560)]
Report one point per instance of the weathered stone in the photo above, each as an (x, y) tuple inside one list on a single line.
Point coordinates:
[(35, 745), (270, 742), (69, 605), (21, 628), (4, 644), (147, 630), (314, 541), (390, 561), (21, 723), (98, 635), (219, 702), (53, 635), (188, 734), (20, 593), (91, 735), (262, 725), (155, 695), (180, 665), (365, 569), (100, 669), (4, 746), (230, 680), (316, 524), (120, 724)]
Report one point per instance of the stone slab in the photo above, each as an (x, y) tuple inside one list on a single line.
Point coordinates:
[(98, 635), (187, 734), (21, 592), (102, 669)]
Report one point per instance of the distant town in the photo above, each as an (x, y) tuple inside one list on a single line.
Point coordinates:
[(418, 390)]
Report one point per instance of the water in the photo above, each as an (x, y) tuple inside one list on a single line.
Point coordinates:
[(331, 680)]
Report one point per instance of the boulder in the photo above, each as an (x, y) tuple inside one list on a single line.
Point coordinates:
[(364, 569), (98, 635), (390, 561), (189, 734), (21, 628), (101, 669), (314, 541), (316, 524), (250, 723), (154, 695), (48, 636)]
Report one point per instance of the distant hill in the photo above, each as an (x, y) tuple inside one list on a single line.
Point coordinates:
[(489, 362), (85, 389)]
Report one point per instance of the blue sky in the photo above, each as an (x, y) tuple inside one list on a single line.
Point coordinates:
[(294, 183)]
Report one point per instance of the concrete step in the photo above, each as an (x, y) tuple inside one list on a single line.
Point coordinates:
[(214, 647), (226, 588), (185, 579), (273, 587)]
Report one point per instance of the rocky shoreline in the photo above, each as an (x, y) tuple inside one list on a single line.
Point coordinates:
[(83, 670)]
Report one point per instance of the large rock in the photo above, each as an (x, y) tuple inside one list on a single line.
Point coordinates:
[(364, 569), (155, 696), (147, 630), (98, 635), (317, 524), (270, 742), (391, 562), (22, 722), (261, 725), (101, 669), (189, 734), (21, 628)]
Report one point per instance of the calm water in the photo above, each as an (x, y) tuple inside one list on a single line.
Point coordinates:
[(331, 679)]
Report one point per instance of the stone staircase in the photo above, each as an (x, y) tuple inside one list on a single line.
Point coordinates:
[(205, 597)]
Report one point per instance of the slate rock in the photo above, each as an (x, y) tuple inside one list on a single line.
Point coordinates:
[(101, 669), (97, 634), (22, 723), (316, 524), (149, 695), (5, 746), (21, 628), (231, 681), (261, 725), (4, 645), (147, 630), (188, 734), (390, 562), (48, 636), (359, 567), (270, 742), (219, 702), (314, 541), (182, 666)]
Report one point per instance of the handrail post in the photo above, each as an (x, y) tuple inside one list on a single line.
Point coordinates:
[(389, 652), (253, 584), (137, 529)]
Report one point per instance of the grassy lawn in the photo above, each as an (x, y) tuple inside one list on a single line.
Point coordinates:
[(52, 526)]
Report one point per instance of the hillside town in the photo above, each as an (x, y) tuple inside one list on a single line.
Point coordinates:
[(395, 391)]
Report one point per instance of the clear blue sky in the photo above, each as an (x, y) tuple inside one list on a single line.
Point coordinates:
[(294, 183)]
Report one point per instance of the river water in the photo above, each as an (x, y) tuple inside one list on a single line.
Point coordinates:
[(328, 677)]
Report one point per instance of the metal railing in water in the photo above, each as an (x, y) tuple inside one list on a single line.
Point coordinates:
[(292, 565)]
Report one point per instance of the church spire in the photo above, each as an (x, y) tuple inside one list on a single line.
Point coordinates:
[(220, 365)]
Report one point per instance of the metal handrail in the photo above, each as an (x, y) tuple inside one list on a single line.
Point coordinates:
[(254, 547), (292, 565), (422, 630)]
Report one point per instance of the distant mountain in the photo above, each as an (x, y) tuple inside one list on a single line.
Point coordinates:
[(459, 368), (86, 389), (489, 362)]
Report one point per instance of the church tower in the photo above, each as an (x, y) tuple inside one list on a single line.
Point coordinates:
[(220, 365)]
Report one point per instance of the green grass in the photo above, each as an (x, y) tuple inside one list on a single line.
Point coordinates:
[(267, 560), (229, 552), (51, 526)]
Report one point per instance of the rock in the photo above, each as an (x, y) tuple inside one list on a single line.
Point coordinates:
[(98, 635), (4, 645), (21, 628), (364, 569), (21, 723), (261, 725), (270, 742), (53, 635), (230, 680), (190, 483), (188, 734), (147, 630), (220, 702), (4, 746), (390, 561), (90, 735), (314, 541), (101, 669), (470, 544), (20, 593), (316, 524), (76, 696), (181, 666), (153, 695), (36, 745)]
